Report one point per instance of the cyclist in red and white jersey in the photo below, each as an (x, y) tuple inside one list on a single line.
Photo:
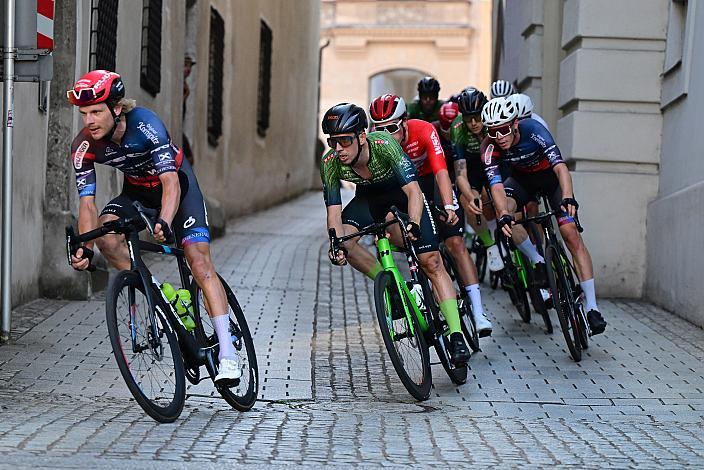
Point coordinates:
[(421, 143)]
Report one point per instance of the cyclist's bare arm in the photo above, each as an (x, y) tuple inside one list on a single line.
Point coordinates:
[(87, 221), (498, 193), (565, 179), (87, 216), (415, 201), (461, 178), (170, 197), (334, 218)]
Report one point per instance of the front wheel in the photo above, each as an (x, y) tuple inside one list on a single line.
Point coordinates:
[(242, 395), (563, 300), (403, 338), (145, 348)]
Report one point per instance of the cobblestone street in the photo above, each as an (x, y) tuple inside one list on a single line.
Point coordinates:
[(329, 394)]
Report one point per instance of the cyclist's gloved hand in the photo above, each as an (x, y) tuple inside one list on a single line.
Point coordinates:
[(569, 205), (81, 259), (162, 232), (339, 258), (413, 230), (505, 223)]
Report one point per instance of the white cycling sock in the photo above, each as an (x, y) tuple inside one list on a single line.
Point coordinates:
[(476, 298), (589, 294), (221, 324), (528, 249)]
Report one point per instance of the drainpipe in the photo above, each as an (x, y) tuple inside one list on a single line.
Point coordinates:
[(8, 105)]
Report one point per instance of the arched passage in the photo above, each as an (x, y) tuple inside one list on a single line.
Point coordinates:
[(402, 82)]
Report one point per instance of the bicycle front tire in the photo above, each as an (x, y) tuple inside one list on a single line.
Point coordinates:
[(142, 357), (399, 335), (563, 301)]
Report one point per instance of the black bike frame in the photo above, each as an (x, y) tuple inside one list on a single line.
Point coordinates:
[(194, 356)]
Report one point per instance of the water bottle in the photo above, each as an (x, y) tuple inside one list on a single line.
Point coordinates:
[(417, 292), (181, 301)]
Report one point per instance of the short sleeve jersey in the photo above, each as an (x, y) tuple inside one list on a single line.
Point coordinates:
[(535, 151), (423, 147), (415, 111), (466, 144), (390, 169), (145, 152)]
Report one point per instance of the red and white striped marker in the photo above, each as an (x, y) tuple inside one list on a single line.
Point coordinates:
[(45, 24)]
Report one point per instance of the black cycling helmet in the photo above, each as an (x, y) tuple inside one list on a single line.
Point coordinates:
[(343, 118), (471, 101), (428, 86)]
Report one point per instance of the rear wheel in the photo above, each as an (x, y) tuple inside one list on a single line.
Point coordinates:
[(243, 394), (463, 304), (440, 336), (563, 300), (403, 338), (145, 348)]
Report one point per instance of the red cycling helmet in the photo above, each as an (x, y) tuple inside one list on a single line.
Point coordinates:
[(387, 107), (97, 86), (448, 113)]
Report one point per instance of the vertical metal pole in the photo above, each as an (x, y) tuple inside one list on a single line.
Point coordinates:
[(8, 105)]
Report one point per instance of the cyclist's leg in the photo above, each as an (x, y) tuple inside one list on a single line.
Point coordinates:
[(190, 227), (113, 246), (355, 217), (580, 255), (518, 195)]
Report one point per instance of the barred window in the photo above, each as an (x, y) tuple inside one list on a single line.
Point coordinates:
[(150, 77), (215, 72), (264, 89), (103, 34)]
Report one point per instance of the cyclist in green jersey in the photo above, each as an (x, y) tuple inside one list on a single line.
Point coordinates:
[(384, 177), (427, 106), (467, 132)]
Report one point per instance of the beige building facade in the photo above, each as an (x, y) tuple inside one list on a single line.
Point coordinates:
[(613, 81), (250, 116), (372, 47)]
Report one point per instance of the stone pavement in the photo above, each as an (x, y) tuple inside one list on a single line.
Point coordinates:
[(329, 394)]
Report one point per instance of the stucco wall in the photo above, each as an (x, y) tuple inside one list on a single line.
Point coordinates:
[(674, 253), (450, 40), (246, 172), (29, 166)]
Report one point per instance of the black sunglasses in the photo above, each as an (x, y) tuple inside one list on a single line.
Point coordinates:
[(343, 140)]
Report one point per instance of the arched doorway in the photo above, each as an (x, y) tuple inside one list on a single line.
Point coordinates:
[(402, 82)]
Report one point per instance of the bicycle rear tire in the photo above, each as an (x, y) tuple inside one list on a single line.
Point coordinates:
[(418, 382), (166, 402), (243, 395), (458, 375), (463, 303)]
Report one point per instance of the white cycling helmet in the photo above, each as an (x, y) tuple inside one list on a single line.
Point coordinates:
[(523, 103), (499, 111), (502, 88)]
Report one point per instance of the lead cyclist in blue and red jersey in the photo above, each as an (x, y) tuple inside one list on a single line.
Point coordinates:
[(536, 166), (135, 141)]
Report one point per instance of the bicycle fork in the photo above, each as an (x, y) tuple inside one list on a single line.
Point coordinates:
[(410, 308)]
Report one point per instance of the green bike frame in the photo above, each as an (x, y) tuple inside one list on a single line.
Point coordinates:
[(520, 264), (385, 250)]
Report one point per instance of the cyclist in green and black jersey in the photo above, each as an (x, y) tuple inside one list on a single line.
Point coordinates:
[(427, 106), (385, 177)]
